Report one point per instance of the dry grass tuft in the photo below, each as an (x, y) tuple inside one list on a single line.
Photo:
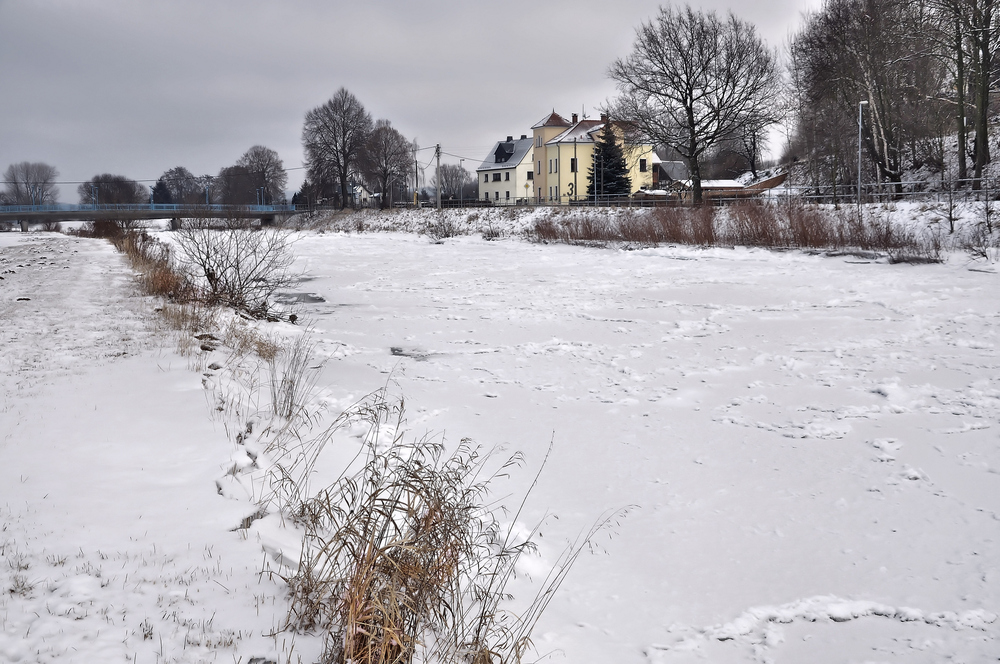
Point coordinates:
[(407, 558)]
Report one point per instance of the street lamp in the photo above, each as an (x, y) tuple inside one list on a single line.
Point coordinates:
[(861, 105)]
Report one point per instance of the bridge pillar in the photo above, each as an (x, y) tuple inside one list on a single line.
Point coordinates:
[(24, 226), (267, 221), (175, 224)]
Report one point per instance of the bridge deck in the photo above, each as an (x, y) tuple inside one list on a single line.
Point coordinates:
[(66, 212)]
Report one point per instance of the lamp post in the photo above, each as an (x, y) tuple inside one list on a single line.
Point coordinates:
[(861, 105)]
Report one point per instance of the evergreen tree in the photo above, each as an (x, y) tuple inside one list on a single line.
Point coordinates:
[(161, 192), (608, 175)]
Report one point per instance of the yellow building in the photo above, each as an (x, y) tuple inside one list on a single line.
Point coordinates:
[(563, 152)]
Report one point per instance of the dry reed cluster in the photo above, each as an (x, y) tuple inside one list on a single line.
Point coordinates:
[(406, 557), (751, 224)]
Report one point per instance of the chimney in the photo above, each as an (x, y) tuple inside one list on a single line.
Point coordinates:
[(510, 139), (604, 118), (574, 118)]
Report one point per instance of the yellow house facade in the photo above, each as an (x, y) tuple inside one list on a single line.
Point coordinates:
[(563, 152)]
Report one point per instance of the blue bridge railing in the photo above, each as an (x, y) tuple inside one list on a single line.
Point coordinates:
[(151, 207)]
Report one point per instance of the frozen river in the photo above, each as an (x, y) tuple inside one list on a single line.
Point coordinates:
[(810, 443)]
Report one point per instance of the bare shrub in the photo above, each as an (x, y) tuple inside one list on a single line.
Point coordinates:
[(52, 226), (754, 224), (546, 230), (983, 245), (640, 228), (674, 224), (240, 268), (703, 225), (442, 227), (808, 227)]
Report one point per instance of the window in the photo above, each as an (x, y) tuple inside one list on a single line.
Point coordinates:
[(538, 141), (550, 165), (557, 165), (557, 193), (572, 165), (539, 193), (642, 165), (531, 175), (507, 194), (506, 177), (539, 166), (486, 196), (497, 196), (550, 193), (496, 177)]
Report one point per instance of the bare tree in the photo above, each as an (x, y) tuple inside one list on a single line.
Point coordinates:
[(875, 51), (235, 185), (108, 189), (385, 161), (30, 183), (267, 170), (334, 136), (183, 186), (693, 80), (453, 179)]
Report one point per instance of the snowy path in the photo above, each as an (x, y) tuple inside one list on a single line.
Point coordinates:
[(812, 443), (115, 546)]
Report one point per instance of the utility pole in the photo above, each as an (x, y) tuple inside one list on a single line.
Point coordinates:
[(437, 173), (416, 178), (861, 105)]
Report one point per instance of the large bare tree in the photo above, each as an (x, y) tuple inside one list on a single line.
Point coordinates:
[(30, 183), (875, 52), (108, 189), (267, 170), (334, 136), (385, 160), (454, 179), (183, 186), (694, 79)]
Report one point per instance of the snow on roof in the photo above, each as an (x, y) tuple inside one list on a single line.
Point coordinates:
[(520, 149), (551, 120), (717, 184), (582, 132)]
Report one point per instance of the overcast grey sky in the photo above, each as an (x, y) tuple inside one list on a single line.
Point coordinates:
[(136, 87)]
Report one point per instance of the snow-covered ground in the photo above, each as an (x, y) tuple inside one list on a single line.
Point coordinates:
[(808, 446)]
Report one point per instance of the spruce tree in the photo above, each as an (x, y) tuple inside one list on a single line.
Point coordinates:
[(608, 175), (161, 192)]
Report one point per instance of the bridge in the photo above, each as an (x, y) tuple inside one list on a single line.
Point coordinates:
[(26, 214)]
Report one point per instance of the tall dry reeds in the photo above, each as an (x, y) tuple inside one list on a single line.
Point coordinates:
[(749, 223), (408, 557)]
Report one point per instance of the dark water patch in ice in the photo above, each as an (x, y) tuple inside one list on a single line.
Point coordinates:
[(298, 298)]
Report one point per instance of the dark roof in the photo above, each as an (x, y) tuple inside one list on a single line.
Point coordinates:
[(506, 154), (552, 120)]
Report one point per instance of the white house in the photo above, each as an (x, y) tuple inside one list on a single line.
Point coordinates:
[(506, 172)]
